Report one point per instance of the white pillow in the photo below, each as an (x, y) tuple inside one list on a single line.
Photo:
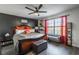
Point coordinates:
[(32, 30), (19, 31)]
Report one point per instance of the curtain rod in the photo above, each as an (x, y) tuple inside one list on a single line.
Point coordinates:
[(58, 17)]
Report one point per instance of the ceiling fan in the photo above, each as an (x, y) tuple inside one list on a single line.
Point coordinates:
[(36, 10)]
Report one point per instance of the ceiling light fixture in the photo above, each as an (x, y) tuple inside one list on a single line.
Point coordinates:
[(35, 13)]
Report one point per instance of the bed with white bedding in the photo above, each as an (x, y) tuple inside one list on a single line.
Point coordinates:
[(29, 36)]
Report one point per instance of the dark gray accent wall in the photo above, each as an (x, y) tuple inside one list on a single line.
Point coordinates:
[(8, 21)]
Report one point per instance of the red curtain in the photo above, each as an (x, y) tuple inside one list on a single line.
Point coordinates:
[(63, 37), (46, 27)]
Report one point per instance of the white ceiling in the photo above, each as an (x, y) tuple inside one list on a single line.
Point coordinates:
[(20, 10)]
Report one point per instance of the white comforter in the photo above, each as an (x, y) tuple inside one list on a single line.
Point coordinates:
[(21, 36)]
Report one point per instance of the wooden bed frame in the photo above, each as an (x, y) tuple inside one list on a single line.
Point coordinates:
[(25, 45)]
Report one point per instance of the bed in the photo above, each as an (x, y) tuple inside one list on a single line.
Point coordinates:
[(23, 42)]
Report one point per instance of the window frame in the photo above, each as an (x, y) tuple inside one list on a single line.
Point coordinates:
[(54, 26)]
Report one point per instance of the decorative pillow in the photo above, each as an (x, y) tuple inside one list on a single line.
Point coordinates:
[(28, 31), (19, 31), (32, 30)]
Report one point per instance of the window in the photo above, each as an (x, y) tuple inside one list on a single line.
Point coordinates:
[(57, 26), (50, 27), (54, 26), (57, 31)]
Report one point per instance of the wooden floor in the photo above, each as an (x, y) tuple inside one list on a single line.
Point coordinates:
[(53, 49)]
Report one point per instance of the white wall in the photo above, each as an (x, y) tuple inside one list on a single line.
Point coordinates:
[(74, 18)]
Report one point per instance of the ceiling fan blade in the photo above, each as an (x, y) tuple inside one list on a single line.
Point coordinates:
[(29, 8), (31, 13), (42, 11), (32, 6), (40, 6)]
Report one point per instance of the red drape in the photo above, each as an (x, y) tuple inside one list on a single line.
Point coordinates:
[(63, 37), (46, 27)]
